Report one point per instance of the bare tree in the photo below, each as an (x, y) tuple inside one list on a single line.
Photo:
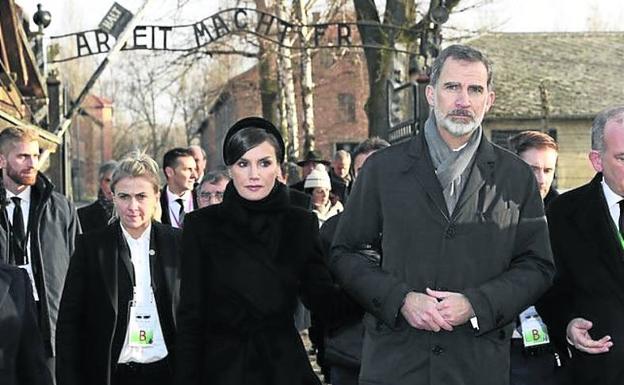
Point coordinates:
[(381, 38)]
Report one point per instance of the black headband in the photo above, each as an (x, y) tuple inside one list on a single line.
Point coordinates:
[(256, 122)]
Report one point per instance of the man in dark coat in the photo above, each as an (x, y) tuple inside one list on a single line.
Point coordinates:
[(41, 224), (586, 303), (23, 361), (340, 176), (534, 358), (464, 241), (178, 197), (97, 214), (343, 343)]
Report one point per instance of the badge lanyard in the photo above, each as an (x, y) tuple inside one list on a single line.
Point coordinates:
[(142, 321), (534, 331)]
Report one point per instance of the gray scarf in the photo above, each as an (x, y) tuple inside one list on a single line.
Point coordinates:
[(451, 167)]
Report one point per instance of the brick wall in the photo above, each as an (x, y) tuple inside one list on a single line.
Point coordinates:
[(339, 76)]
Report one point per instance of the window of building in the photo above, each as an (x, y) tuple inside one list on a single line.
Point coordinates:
[(347, 146), (346, 107)]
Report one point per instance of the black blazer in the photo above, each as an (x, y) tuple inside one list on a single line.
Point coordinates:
[(164, 205), (93, 217), (589, 282), (21, 348), (97, 290)]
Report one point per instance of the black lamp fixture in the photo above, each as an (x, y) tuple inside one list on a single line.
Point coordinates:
[(42, 18), (440, 14)]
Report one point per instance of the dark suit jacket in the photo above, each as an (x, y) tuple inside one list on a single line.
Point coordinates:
[(21, 348), (164, 205), (93, 314), (589, 282), (93, 217)]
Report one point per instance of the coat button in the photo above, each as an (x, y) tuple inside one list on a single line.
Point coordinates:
[(501, 334), (499, 319), (376, 302), (437, 350), (450, 232), (378, 326)]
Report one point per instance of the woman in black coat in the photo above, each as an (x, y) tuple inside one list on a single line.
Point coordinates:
[(244, 264), (120, 277)]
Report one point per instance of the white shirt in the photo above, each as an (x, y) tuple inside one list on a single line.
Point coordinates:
[(174, 206), (613, 202), (143, 296), (25, 206)]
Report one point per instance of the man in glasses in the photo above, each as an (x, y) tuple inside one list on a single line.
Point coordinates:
[(212, 187)]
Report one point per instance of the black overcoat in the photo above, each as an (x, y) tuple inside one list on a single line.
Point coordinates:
[(236, 310), (164, 205), (93, 217), (53, 226), (589, 282), (22, 359), (93, 313), (493, 248)]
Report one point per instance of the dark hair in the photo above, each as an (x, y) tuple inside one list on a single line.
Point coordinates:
[(526, 140), (460, 52), (215, 176), (171, 157), (246, 139), (369, 145)]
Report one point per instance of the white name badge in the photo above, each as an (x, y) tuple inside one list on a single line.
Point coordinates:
[(141, 326), (534, 331), (31, 276)]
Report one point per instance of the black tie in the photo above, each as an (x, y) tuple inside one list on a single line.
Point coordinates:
[(181, 212), (19, 235), (621, 220)]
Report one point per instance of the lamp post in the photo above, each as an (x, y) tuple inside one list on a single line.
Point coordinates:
[(430, 47), (42, 19)]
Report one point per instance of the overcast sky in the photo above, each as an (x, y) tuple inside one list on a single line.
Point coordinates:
[(506, 15)]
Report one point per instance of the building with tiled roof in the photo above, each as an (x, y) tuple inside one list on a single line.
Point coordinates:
[(558, 81)]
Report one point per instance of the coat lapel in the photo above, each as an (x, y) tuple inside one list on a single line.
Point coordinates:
[(163, 272), (107, 259), (164, 205), (418, 163), (156, 255), (594, 220)]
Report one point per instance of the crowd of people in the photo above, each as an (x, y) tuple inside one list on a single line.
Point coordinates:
[(443, 259)]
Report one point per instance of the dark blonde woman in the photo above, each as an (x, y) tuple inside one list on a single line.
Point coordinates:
[(244, 264), (116, 321)]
